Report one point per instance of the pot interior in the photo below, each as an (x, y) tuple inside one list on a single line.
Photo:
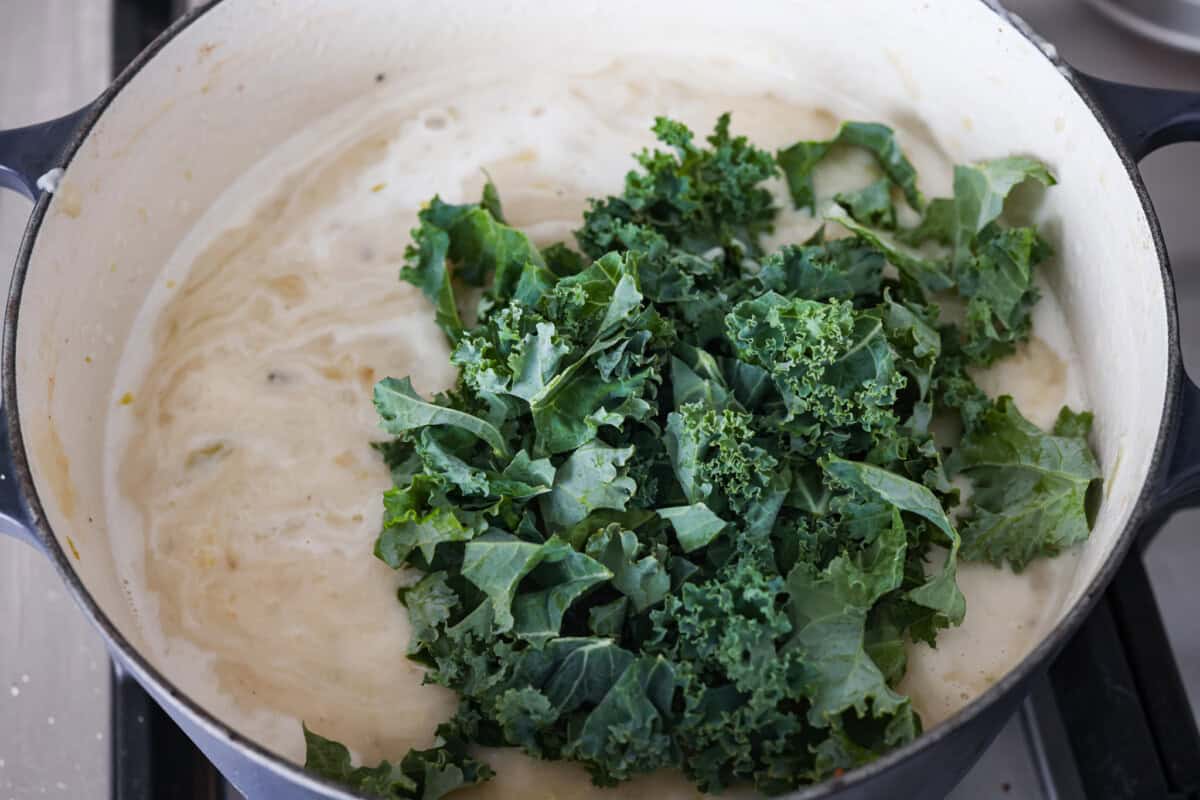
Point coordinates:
[(248, 74)]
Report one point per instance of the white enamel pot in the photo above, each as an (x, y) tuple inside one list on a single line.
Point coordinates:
[(229, 82)]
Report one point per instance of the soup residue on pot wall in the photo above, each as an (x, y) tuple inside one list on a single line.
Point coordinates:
[(242, 477)]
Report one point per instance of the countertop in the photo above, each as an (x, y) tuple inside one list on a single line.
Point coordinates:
[(54, 57)]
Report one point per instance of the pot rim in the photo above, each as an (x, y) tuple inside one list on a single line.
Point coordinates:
[(140, 667)]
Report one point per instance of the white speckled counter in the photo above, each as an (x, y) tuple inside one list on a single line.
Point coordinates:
[(54, 57)]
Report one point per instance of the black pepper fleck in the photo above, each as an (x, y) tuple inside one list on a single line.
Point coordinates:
[(380, 77)]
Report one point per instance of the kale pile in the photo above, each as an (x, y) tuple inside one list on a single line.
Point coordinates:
[(683, 507)]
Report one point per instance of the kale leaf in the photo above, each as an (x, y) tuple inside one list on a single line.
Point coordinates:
[(959, 243), (421, 775), (1030, 487), (683, 507), (799, 161)]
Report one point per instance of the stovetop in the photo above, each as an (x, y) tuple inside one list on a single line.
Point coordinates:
[(71, 730)]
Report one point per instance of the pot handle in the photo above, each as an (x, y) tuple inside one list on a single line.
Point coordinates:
[(14, 517), (1115, 706), (26, 155), (29, 153), (1179, 480), (1144, 120)]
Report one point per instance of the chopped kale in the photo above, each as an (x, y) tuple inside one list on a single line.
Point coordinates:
[(683, 507)]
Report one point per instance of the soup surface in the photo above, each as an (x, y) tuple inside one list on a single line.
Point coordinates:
[(241, 475)]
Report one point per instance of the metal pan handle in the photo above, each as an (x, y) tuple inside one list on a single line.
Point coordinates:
[(26, 154), (1144, 120), (1115, 694), (14, 514)]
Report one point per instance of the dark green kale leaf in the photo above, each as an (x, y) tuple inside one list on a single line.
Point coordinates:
[(992, 265), (331, 760), (843, 269), (421, 775), (715, 458), (953, 388), (684, 507), (940, 593), (997, 281), (497, 562), (608, 620), (828, 609), (645, 581), (833, 366), (1029, 488), (611, 367), (932, 273), (912, 329), (980, 191), (419, 518), (871, 205), (988, 265), (697, 198), (725, 637), (590, 479), (628, 732), (479, 246)]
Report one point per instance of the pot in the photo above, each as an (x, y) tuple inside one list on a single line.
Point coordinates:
[(232, 80)]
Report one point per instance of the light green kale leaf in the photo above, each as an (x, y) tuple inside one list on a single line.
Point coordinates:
[(1030, 489), (799, 161), (590, 479)]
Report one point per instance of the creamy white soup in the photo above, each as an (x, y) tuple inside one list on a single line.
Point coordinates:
[(241, 480)]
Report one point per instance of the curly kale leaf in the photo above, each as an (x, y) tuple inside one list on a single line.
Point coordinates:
[(684, 506), (833, 366), (997, 282), (725, 637), (990, 266), (715, 458), (609, 372), (417, 519), (697, 198), (843, 269)]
